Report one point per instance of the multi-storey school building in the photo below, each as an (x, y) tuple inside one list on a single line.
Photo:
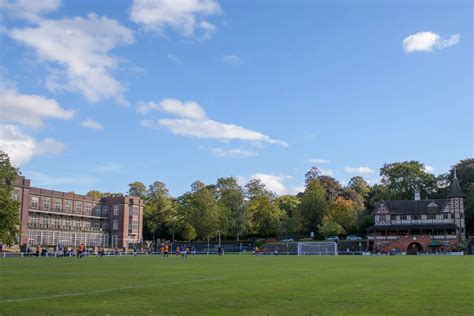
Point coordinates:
[(51, 217), (424, 225)]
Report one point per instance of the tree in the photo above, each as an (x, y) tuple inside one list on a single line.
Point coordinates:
[(159, 211), (137, 189), (330, 227), (359, 185), (332, 186), (157, 189), (94, 193), (313, 205), (464, 173), (469, 209), (264, 216), (377, 193), (402, 179), (9, 207), (288, 204), (342, 212), (311, 175), (98, 194), (255, 188), (231, 203), (205, 212), (290, 221)]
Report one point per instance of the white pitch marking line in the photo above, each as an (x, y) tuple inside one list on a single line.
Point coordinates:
[(100, 291)]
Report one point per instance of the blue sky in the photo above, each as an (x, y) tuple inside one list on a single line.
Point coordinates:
[(95, 96)]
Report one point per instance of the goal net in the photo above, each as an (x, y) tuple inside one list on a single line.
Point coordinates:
[(317, 248)]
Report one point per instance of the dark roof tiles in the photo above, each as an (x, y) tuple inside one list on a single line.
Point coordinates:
[(408, 207)]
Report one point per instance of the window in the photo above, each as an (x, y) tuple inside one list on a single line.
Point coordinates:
[(31, 237), (446, 216), (104, 210), (69, 206), (136, 211), (68, 221), (77, 223), (416, 217), (462, 215), (46, 220), (431, 216), (403, 217), (34, 219), (34, 202), (89, 208), (116, 210), (115, 224), (58, 206), (87, 223), (105, 226), (78, 207), (393, 217), (47, 203), (57, 221)]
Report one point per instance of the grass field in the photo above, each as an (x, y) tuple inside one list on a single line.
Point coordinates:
[(239, 285)]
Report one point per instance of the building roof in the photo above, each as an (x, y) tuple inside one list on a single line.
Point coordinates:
[(415, 226), (455, 190), (409, 207)]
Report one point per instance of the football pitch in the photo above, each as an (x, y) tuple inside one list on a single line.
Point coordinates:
[(238, 285)]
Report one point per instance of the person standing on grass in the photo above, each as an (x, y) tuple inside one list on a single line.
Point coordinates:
[(166, 250), (177, 251), (59, 253)]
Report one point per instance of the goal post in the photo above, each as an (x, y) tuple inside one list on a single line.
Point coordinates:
[(322, 248)]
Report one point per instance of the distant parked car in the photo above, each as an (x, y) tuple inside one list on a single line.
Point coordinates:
[(333, 238), (353, 237), (287, 240)]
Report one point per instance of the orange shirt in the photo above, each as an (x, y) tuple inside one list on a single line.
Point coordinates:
[(166, 248)]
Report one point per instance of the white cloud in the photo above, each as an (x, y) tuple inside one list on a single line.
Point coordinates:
[(22, 148), (196, 124), (28, 9), (359, 170), (275, 183), (327, 172), (190, 109), (215, 130), (184, 16), (427, 41), (232, 59), (90, 123), (374, 181), (429, 168), (234, 153), (174, 58), (316, 160), (77, 49), (30, 110)]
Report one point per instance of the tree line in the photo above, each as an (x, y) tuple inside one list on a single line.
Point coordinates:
[(325, 207)]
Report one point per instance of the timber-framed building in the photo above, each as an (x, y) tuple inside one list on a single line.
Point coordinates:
[(419, 225)]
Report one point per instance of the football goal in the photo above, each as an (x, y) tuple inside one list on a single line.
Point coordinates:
[(317, 248)]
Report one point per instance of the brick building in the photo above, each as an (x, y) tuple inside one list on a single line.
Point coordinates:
[(424, 225), (50, 217)]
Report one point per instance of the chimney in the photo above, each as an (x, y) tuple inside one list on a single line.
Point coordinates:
[(417, 195)]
